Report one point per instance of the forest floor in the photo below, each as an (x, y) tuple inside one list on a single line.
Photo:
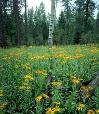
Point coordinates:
[(23, 80)]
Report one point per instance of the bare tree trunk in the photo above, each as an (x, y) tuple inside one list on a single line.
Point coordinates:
[(51, 25)]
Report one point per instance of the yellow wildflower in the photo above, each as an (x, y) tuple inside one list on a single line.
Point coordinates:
[(97, 111), (26, 66), (74, 80), (53, 110), (1, 93), (38, 98), (28, 77), (91, 111), (57, 84), (86, 90), (41, 72), (79, 56), (56, 109), (57, 103), (2, 105), (67, 57), (80, 106), (94, 51), (50, 111), (45, 96)]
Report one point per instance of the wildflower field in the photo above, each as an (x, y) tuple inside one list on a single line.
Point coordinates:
[(26, 87)]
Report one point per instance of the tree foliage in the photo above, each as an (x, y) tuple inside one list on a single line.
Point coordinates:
[(75, 24)]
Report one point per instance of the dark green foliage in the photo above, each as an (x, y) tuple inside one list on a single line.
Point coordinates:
[(97, 23), (77, 37), (62, 20), (84, 21), (11, 22), (38, 25), (76, 24)]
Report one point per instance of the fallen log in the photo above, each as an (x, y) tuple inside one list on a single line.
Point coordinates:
[(87, 90), (95, 82)]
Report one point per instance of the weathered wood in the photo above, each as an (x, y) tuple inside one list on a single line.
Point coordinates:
[(95, 82), (88, 90), (51, 25)]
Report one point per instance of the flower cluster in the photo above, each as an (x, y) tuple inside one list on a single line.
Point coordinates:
[(40, 97), (3, 105), (56, 84), (1, 92), (28, 77), (26, 66), (53, 110), (25, 84), (80, 106), (74, 80), (41, 72)]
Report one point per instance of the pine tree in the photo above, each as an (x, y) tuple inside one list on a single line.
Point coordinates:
[(26, 24), (1, 25), (67, 12), (3, 19), (31, 24), (84, 18), (40, 25), (62, 21), (97, 23), (88, 14)]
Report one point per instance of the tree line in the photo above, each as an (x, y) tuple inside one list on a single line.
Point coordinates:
[(76, 24)]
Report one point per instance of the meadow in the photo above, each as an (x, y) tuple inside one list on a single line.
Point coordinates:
[(26, 89)]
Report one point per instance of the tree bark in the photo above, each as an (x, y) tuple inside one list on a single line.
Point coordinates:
[(95, 82), (51, 24)]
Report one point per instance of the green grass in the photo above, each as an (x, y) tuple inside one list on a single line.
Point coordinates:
[(23, 80)]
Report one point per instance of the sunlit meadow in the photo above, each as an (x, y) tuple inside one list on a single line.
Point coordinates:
[(24, 84)]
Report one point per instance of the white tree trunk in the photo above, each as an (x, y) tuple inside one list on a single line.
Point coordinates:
[(51, 24)]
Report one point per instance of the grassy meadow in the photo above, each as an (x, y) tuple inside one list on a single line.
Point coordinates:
[(25, 88)]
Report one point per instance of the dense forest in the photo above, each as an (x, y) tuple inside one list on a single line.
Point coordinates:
[(76, 23)]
